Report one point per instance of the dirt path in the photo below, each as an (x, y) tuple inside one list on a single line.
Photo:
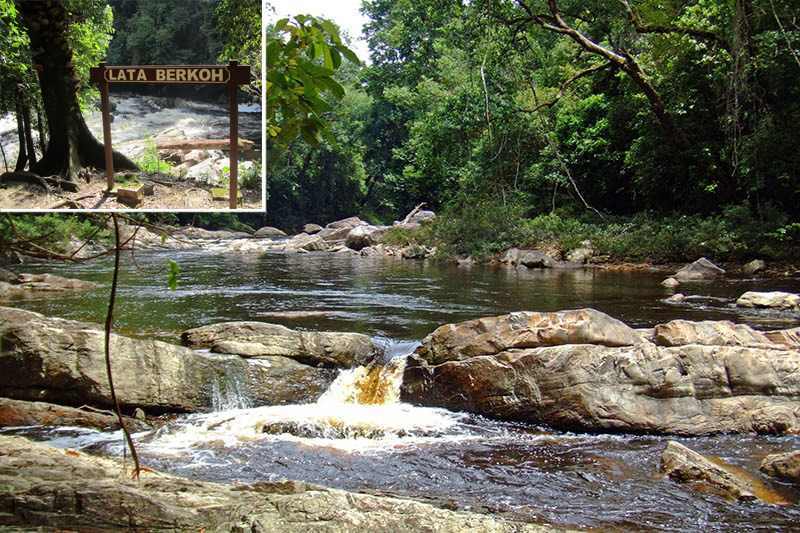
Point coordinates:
[(180, 195)]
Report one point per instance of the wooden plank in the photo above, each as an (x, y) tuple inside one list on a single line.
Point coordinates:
[(202, 144), (172, 74)]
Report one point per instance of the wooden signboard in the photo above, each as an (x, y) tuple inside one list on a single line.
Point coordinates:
[(231, 75)]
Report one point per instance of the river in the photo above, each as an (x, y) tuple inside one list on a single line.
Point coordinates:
[(378, 444), (136, 118)]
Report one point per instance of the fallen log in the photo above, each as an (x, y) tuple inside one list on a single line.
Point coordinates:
[(202, 144)]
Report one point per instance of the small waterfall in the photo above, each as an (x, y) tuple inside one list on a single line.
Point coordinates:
[(376, 384), (229, 392)]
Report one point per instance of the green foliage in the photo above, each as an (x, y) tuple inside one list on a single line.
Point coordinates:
[(239, 22), (53, 231), (89, 37), (150, 162), (303, 55), (173, 272)]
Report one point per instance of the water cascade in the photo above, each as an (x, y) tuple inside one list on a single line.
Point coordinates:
[(361, 409)]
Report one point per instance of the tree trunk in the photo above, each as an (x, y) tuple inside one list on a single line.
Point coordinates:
[(22, 155), (40, 126), (71, 146), (26, 121)]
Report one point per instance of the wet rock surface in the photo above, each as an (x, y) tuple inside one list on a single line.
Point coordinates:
[(684, 465), (784, 466), (22, 285), (16, 413), (770, 300)]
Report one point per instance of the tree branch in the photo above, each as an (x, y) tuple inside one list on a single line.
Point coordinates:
[(702, 35)]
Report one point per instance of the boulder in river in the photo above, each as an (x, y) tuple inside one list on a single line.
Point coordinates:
[(53, 488), (684, 465), (710, 333), (260, 339), (700, 270), (754, 267), (784, 466), (306, 243), (670, 283), (582, 254), (770, 300), (268, 232), (415, 251), (63, 362), (339, 230), (585, 370), (364, 236), (32, 284), (311, 229)]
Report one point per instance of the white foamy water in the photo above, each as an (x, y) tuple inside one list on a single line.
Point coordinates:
[(360, 411)]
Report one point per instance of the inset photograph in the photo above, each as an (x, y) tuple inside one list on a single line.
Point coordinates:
[(131, 104)]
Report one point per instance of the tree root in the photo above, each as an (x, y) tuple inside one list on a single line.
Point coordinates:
[(46, 182)]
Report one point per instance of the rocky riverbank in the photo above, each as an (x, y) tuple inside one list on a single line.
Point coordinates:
[(41, 486)]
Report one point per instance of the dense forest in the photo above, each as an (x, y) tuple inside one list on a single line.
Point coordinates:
[(519, 117), (48, 46)]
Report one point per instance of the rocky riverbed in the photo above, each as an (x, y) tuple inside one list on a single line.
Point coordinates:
[(261, 393)]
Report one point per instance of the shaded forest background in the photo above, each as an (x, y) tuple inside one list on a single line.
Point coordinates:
[(498, 113)]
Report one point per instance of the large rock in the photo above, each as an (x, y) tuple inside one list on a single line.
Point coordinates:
[(260, 339), (415, 219), (788, 338), (528, 258), (16, 413), (311, 229), (306, 243), (754, 267), (712, 333), (783, 466), (339, 230), (770, 300), (700, 270), (56, 489), (268, 232), (687, 466), (363, 236), (582, 254), (25, 285), (416, 251), (492, 335), (62, 361), (583, 370)]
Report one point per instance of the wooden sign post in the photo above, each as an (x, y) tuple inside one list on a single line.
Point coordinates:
[(231, 75)]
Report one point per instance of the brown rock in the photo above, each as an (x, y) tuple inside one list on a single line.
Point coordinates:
[(14, 413), (711, 333), (783, 465), (491, 335), (260, 339), (687, 466), (702, 269)]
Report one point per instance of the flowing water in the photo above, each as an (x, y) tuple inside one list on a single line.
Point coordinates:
[(359, 436), (136, 118)]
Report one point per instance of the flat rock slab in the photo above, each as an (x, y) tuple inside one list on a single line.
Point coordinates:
[(41, 486), (202, 144), (63, 362)]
